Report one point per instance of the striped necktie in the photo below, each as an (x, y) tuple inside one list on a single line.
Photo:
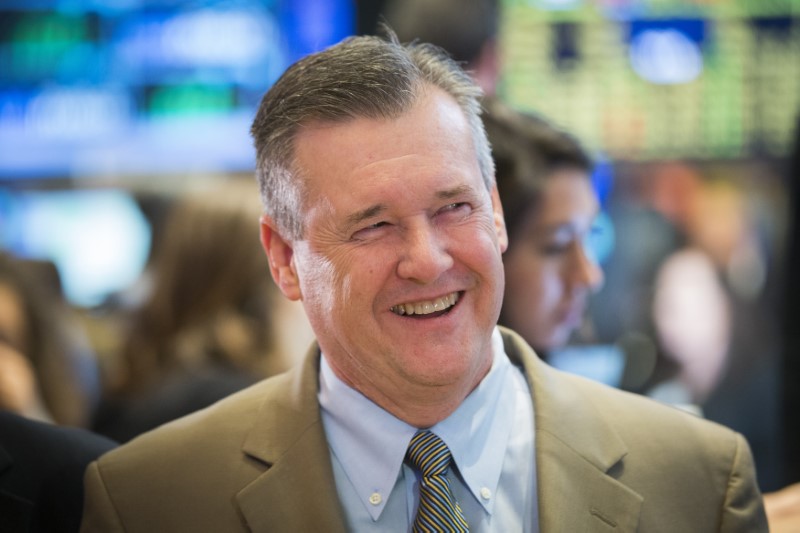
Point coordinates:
[(438, 511)]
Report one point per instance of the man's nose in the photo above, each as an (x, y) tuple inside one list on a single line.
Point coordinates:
[(424, 256), (586, 271)]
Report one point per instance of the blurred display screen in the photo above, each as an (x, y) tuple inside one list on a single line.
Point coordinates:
[(603, 363), (98, 240), (656, 79), (142, 87)]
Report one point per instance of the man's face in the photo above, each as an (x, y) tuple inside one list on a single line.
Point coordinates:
[(400, 267), (549, 272)]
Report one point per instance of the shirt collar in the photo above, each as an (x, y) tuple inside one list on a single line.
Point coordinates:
[(371, 443)]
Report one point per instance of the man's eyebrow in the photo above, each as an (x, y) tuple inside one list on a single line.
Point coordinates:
[(454, 192), (370, 212)]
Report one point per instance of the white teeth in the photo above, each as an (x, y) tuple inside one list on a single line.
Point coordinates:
[(427, 307)]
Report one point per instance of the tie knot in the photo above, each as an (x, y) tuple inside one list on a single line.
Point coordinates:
[(429, 454)]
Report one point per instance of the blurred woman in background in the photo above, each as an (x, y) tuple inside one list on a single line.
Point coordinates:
[(207, 327), (47, 368)]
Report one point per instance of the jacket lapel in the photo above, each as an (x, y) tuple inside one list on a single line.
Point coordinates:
[(298, 490), (577, 454)]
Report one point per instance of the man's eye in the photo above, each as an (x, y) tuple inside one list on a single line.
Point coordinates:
[(454, 207), (377, 225), (366, 231)]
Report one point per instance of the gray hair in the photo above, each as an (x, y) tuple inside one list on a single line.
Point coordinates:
[(361, 77)]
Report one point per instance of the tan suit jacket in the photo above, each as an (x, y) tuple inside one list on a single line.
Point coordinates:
[(258, 461)]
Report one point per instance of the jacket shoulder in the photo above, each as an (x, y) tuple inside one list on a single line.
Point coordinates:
[(221, 426)]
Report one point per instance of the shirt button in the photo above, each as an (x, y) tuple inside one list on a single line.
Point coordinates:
[(486, 493), (375, 499)]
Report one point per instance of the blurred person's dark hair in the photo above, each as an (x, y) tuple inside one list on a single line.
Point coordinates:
[(527, 149), (210, 298), (37, 322), (466, 29), (205, 328)]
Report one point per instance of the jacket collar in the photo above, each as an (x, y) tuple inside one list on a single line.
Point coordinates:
[(577, 453), (298, 490)]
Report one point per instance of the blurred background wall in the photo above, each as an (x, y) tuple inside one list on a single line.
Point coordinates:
[(112, 109)]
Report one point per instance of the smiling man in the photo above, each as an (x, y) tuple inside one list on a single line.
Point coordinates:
[(404, 278), (413, 411)]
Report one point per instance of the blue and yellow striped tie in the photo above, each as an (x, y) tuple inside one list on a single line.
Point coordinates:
[(438, 510)]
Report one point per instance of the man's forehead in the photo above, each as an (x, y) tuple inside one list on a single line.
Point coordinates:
[(355, 116), (435, 122)]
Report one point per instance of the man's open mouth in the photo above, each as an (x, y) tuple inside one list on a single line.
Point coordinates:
[(427, 307)]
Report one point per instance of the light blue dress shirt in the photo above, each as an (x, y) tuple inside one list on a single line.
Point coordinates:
[(490, 435)]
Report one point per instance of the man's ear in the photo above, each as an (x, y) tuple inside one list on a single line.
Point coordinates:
[(499, 220), (281, 259)]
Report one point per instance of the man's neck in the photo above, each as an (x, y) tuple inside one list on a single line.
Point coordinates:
[(421, 406)]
